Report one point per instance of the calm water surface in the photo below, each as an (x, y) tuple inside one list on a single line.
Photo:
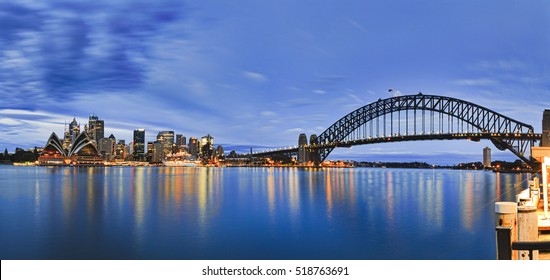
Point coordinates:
[(249, 213)]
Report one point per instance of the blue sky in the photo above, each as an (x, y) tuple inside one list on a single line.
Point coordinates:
[(259, 73)]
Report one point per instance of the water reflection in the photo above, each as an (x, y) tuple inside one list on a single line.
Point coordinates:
[(248, 213)]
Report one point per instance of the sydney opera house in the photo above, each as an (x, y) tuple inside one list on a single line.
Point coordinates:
[(82, 151)]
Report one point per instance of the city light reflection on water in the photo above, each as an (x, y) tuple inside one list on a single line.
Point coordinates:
[(249, 213)]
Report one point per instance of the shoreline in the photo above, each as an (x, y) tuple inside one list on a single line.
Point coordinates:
[(267, 166)]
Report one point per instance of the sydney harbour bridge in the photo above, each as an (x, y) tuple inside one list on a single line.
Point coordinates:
[(413, 118)]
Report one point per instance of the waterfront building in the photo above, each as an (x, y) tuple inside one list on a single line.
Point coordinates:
[(155, 152), (207, 146), (167, 140), (487, 157), (120, 152), (150, 149), (81, 151), (193, 146), (139, 144), (220, 153), (313, 154), (107, 147), (158, 152), (302, 151), (96, 128), (74, 129), (66, 137), (130, 149)]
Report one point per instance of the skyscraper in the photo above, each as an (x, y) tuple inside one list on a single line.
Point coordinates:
[(313, 154), (139, 144), (96, 128), (121, 149), (106, 147), (207, 146), (74, 129), (302, 153), (180, 142), (167, 139), (193, 146), (487, 157)]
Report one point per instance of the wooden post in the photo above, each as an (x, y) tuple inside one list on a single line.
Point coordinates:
[(528, 229), (534, 186), (506, 216), (544, 172), (504, 243)]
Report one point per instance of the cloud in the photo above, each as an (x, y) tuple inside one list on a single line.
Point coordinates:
[(477, 82), (62, 49), (255, 76), (319, 91), (499, 65), (268, 114), (356, 24)]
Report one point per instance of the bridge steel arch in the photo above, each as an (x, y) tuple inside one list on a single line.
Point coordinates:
[(474, 117)]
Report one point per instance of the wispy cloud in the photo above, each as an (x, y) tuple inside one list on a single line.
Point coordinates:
[(255, 76), (477, 82), (59, 50)]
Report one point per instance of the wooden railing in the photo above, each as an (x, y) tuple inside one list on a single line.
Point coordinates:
[(505, 246)]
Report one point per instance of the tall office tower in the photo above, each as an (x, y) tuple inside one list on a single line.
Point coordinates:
[(113, 144), (66, 137), (121, 149), (167, 140), (96, 128), (106, 148), (183, 141), (302, 153), (313, 154), (178, 139), (158, 153), (193, 146), (150, 150), (487, 157), (139, 144), (74, 129), (545, 129), (130, 148), (220, 153), (207, 146)]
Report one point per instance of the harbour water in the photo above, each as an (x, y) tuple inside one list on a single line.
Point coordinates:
[(250, 213)]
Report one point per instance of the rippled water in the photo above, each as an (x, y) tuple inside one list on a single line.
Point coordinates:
[(249, 213)]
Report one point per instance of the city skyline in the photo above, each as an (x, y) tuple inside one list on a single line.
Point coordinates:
[(258, 75)]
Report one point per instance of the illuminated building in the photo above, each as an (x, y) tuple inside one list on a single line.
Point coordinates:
[(166, 138), (155, 152), (158, 153), (96, 128), (181, 143), (313, 154), (487, 157), (150, 149), (74, 129), (193, 146), (139, 144), (220, 153), (107, 147), (121, 151), (82, 151), (302, 152), (207, 146)]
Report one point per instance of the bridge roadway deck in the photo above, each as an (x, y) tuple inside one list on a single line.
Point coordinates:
[(400, 138)]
